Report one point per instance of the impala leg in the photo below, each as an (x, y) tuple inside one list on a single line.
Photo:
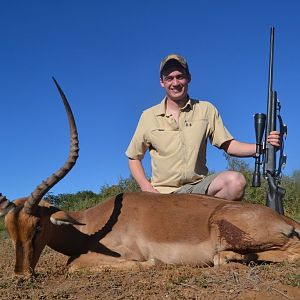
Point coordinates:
[(223, 257), (96, 261), (278, 256), (289, 252)]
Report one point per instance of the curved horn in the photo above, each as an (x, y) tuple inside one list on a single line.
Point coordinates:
[(36, 196)]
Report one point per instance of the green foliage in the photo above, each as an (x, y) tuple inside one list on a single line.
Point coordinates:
[(296, 176), (124, 185), (292, 196), (78, 201), (85, 199)]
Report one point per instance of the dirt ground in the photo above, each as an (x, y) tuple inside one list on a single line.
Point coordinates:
[(232, 281)]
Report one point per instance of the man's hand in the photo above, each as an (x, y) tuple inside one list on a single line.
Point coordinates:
[(149, 188), (274, 138), (138, 173)]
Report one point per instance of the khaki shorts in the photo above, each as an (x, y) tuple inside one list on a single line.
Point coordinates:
[(199, 187)]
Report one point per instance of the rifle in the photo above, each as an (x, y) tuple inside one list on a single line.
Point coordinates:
[(265, 152)]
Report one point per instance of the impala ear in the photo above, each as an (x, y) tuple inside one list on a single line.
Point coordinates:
[(5, 210), (5, 205), (63, 218)]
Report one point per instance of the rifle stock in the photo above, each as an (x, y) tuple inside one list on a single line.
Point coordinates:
[(265, 152)]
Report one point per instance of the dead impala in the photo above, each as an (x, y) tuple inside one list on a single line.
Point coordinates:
[(145, 227)]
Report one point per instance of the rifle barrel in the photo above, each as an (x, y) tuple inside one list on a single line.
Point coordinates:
[(270, 155)]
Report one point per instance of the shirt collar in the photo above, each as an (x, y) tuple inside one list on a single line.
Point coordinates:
[(161, 107)]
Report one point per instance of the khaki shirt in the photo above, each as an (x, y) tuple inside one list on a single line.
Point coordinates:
[(178, 151)]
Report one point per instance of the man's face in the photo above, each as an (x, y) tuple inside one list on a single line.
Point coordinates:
[(175, 82)]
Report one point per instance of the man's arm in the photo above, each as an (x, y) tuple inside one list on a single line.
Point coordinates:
[(138, 173), (240, 149)]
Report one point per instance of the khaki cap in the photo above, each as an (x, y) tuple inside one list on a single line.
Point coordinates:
[(182, 61)]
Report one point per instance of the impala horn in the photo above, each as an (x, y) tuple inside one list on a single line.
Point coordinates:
[(40, 191)]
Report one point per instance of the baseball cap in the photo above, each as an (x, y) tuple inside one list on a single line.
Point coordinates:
[(180, 59)]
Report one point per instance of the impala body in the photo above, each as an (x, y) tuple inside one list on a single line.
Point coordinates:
[(146, 228)]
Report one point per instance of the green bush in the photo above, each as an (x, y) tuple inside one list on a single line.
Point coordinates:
[(78, 201), (85, 199)]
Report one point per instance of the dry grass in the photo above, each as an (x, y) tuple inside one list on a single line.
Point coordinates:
[(233, 281)]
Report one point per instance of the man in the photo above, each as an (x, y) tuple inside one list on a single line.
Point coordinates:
[(176, 132)]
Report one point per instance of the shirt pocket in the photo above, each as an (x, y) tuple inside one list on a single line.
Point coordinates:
[(165, 142), (196, 133)]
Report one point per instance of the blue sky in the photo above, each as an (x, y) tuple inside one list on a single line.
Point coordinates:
[(106, 55)]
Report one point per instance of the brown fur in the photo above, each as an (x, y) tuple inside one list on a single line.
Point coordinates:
[(146, 227)]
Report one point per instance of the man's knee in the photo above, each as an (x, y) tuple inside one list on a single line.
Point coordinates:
[(237, 183), (229, 185)]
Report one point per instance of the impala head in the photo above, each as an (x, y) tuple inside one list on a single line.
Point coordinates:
[(27, 220)]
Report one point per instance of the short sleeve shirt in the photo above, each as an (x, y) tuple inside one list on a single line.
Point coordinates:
[(178, 151)]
